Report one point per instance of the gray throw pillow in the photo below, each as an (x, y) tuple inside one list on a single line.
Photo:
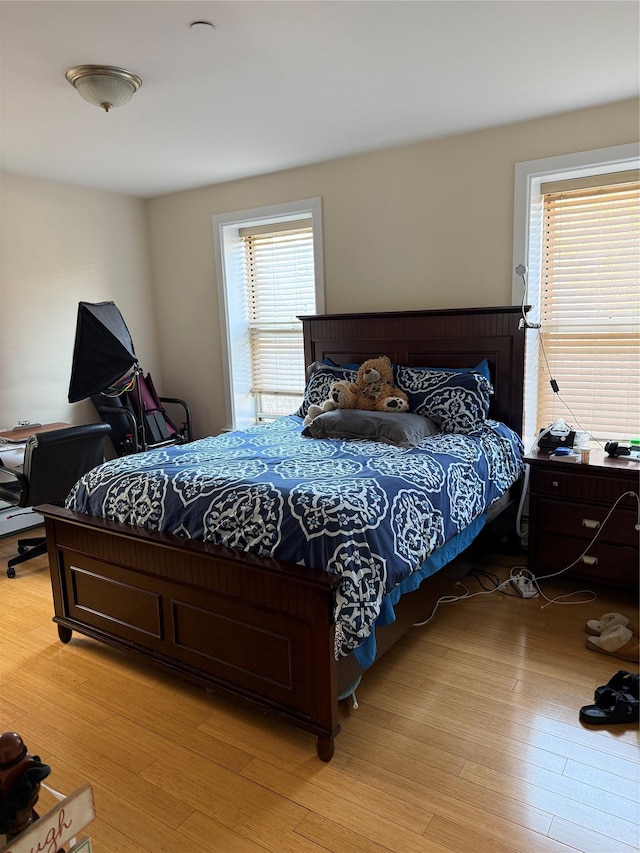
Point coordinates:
[(402, 429)]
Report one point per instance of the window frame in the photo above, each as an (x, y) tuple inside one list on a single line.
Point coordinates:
[(229, 264), (527, 241)]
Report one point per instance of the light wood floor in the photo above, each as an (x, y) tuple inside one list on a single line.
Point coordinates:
[(467, 739)]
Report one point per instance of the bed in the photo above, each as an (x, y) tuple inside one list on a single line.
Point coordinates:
[(269, 629)]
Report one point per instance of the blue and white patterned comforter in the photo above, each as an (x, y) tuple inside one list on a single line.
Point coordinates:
[(367, 511)]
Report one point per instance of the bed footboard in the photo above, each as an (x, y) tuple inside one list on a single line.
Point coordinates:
[(252, 628)]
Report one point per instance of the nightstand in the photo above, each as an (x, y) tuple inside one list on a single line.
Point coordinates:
[(568, 502)]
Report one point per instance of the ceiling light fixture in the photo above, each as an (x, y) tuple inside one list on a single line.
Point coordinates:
[(103, 85), (202, 26)]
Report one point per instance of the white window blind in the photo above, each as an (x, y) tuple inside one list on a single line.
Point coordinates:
[(590, 306), (280, 282)]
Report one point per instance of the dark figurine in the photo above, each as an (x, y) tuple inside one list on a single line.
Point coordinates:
[(20, 777)]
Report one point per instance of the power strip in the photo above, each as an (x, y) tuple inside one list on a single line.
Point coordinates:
[(524, 587)]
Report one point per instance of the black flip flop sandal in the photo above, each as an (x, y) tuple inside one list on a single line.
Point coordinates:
[(612, 707), (625, 682)]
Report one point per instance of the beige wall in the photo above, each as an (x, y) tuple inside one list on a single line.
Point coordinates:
[(428, 225), (63, 244), (424, 226)]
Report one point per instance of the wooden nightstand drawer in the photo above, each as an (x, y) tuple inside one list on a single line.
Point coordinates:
[(584, 520), (603, 563), (580, 484)]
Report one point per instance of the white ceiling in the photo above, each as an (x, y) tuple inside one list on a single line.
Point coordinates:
[(282, 84)]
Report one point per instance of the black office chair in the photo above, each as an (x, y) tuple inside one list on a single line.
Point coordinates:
[(53, 462)]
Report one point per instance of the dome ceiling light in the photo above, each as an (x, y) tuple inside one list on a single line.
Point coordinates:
[(104, 85)]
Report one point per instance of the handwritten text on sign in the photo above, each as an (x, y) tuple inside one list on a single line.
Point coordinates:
[(55, 828)]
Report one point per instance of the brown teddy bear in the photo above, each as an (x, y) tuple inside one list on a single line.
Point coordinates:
[(342, 395), (373, 391), (376, 391)]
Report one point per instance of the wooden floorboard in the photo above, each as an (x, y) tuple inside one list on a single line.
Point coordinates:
[(467, 738)]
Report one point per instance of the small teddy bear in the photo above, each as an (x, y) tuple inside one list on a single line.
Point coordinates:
[(327, 405), (342, 395), (376, 389)]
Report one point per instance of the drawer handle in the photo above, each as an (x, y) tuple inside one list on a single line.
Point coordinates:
[(590, 561), (591, 523)]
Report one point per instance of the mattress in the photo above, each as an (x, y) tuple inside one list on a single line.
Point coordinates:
[(375, 514)]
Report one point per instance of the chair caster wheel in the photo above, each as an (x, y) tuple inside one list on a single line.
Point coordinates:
[(11, 572)]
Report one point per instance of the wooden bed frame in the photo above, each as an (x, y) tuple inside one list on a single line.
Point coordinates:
[(253, 627)]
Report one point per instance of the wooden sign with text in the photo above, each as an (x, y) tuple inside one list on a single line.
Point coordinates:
[(51, 831)]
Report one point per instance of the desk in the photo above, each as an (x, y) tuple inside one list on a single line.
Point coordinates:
[(13, 441), (19, 436), (12, 444)]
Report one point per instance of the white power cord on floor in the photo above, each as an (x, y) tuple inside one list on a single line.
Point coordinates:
[(528, 585), (447, 599)]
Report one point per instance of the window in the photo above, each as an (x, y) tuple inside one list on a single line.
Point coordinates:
[(279, 278), (590, 306), (583, 253), (269, 264)]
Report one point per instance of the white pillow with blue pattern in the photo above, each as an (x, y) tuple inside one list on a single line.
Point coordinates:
[(459, 402)]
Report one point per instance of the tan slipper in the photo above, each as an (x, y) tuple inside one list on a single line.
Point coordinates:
[(607, 620), (619, 641)]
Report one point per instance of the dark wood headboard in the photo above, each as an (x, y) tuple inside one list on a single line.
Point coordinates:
[(441, 338)]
